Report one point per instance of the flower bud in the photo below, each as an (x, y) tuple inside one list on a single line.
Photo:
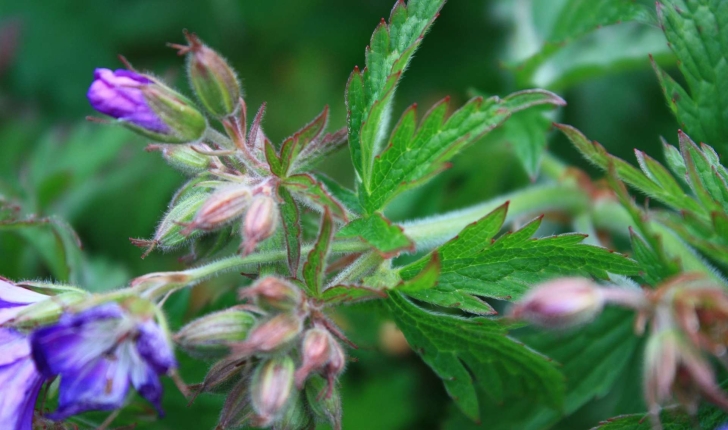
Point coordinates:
[(169, 233), (296, 416), (47, 311), (210, 336), (325, 402), (315, 353), (561, 303), (273, 293), (212, 78), (260, 222), (153, 281), (224, 205), (270, 335), (271, 388), (184, 157), (237, 410), (220, 376), (145, 105)]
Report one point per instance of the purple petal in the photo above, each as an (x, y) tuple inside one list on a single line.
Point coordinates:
[(119, 94), (20, 382), (13, 298), (101, 385), (77, 339), (146, 381), (154, 347)]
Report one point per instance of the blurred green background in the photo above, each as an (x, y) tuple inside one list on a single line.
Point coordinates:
[(296, 55)]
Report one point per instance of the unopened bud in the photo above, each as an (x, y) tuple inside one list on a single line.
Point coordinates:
[(237, 410), (260, 222), (220, 376), (185, 158), (560, 303), (324, 401), (48, 310), (224, 205), (210, 336), (156, 280), (315, 354), (145, 105), (212, 78), (295, 416), (273, 293), (271, 388), (270, 335), (169, 231)]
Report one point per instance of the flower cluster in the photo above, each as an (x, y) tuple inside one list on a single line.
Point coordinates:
[(97, 353), (260, 344), (236, 176), (688, 322)]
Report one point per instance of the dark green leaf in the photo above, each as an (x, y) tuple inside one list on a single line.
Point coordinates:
[(295, 144), (291, 217), (314, 269), (306, 188), (388, 239)]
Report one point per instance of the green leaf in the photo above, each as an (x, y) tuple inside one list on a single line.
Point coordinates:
[(294, 145), (527, 132), (306, 188), (475, 264), (697, 31), (318, 150), (369, 93), (414, 154), (596, 154), (425, 280), (344, 195), (387, 238), (344, 294), (314, 269), (275, 163), (291, 217), (465, 352)]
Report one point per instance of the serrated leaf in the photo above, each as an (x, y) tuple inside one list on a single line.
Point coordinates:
[(475, 264), (344, 195), (596, 154), (311, 191), (369, 93), (476, 351), (291, 219), (425, 280), (702, 178), (316, 151), (654, 268), (697, 31), (294, 145), (414, 154), (387, 238), (314, 269)]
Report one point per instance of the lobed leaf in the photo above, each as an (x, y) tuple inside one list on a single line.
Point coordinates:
[(470, 352), (475, 264), (315, 266), (311, 191), (414, 154), (291, 220), (369, 92)]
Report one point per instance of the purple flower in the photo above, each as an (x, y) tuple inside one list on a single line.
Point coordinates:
[(14, 298), (19, 379), (119, 94), (98, 354)]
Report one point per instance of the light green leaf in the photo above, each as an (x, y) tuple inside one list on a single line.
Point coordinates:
[(475, 264), (369, 93), (387, 238), (414, 154), (476, 351), (697, 31)]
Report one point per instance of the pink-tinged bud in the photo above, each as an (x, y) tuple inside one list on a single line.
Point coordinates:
[(270, 335), (151, 282), (260, 223), (324, 401), (212, 78), (561, 303), (702, 313), (271, 389), (223, 206), (273, 293), (315, 354)]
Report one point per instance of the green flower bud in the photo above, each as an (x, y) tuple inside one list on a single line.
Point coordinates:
[(179, 114), (296, 415), (324, 400), (185, 158), (271, 389), (210, 335), (47, 311), (212, 78)]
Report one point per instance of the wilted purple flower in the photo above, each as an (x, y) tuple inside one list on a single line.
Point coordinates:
[(99, 353), (14, 298), (119, 94), (19, 379)]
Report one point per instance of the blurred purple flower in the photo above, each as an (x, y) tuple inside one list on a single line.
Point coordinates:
[(99, 353), (19, 379), (120, 94), (14, 298)]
